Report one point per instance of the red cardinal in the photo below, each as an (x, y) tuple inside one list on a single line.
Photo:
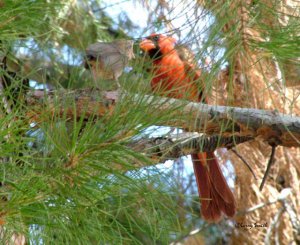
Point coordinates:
[(176, 78)]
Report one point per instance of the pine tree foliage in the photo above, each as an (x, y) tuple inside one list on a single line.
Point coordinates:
[(66, 179), (70, 180)]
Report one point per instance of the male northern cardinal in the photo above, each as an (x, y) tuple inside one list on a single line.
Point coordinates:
[(176, 78)]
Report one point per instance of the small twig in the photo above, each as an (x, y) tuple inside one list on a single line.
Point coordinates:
[(258, 206), (272, 225), (277, 238), (191, 181), (191, 233), (245, 162), (282, 196), (288, 206), (290, 210), (270, 163)]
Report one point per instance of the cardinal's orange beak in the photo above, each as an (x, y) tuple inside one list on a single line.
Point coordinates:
[(147, 45)]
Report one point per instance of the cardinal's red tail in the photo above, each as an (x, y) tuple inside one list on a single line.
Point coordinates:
[(215, 195)]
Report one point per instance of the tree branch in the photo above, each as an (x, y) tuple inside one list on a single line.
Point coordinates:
[(211, 119), (273, 224), (165, 148)]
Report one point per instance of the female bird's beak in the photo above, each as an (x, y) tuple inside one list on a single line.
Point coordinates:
[(146, 45)]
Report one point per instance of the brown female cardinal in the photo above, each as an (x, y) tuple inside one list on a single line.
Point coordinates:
[(177, 78), (108, 59)]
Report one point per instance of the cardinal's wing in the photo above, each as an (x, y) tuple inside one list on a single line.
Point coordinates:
[(195, 75)]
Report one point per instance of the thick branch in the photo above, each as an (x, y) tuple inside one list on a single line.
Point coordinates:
[(166, 148), (211, 119)]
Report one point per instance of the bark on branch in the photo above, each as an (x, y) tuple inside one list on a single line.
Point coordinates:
[(166, 148), (225, 121)]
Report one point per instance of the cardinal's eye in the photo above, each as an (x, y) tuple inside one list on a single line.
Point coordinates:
[(155, 38)]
